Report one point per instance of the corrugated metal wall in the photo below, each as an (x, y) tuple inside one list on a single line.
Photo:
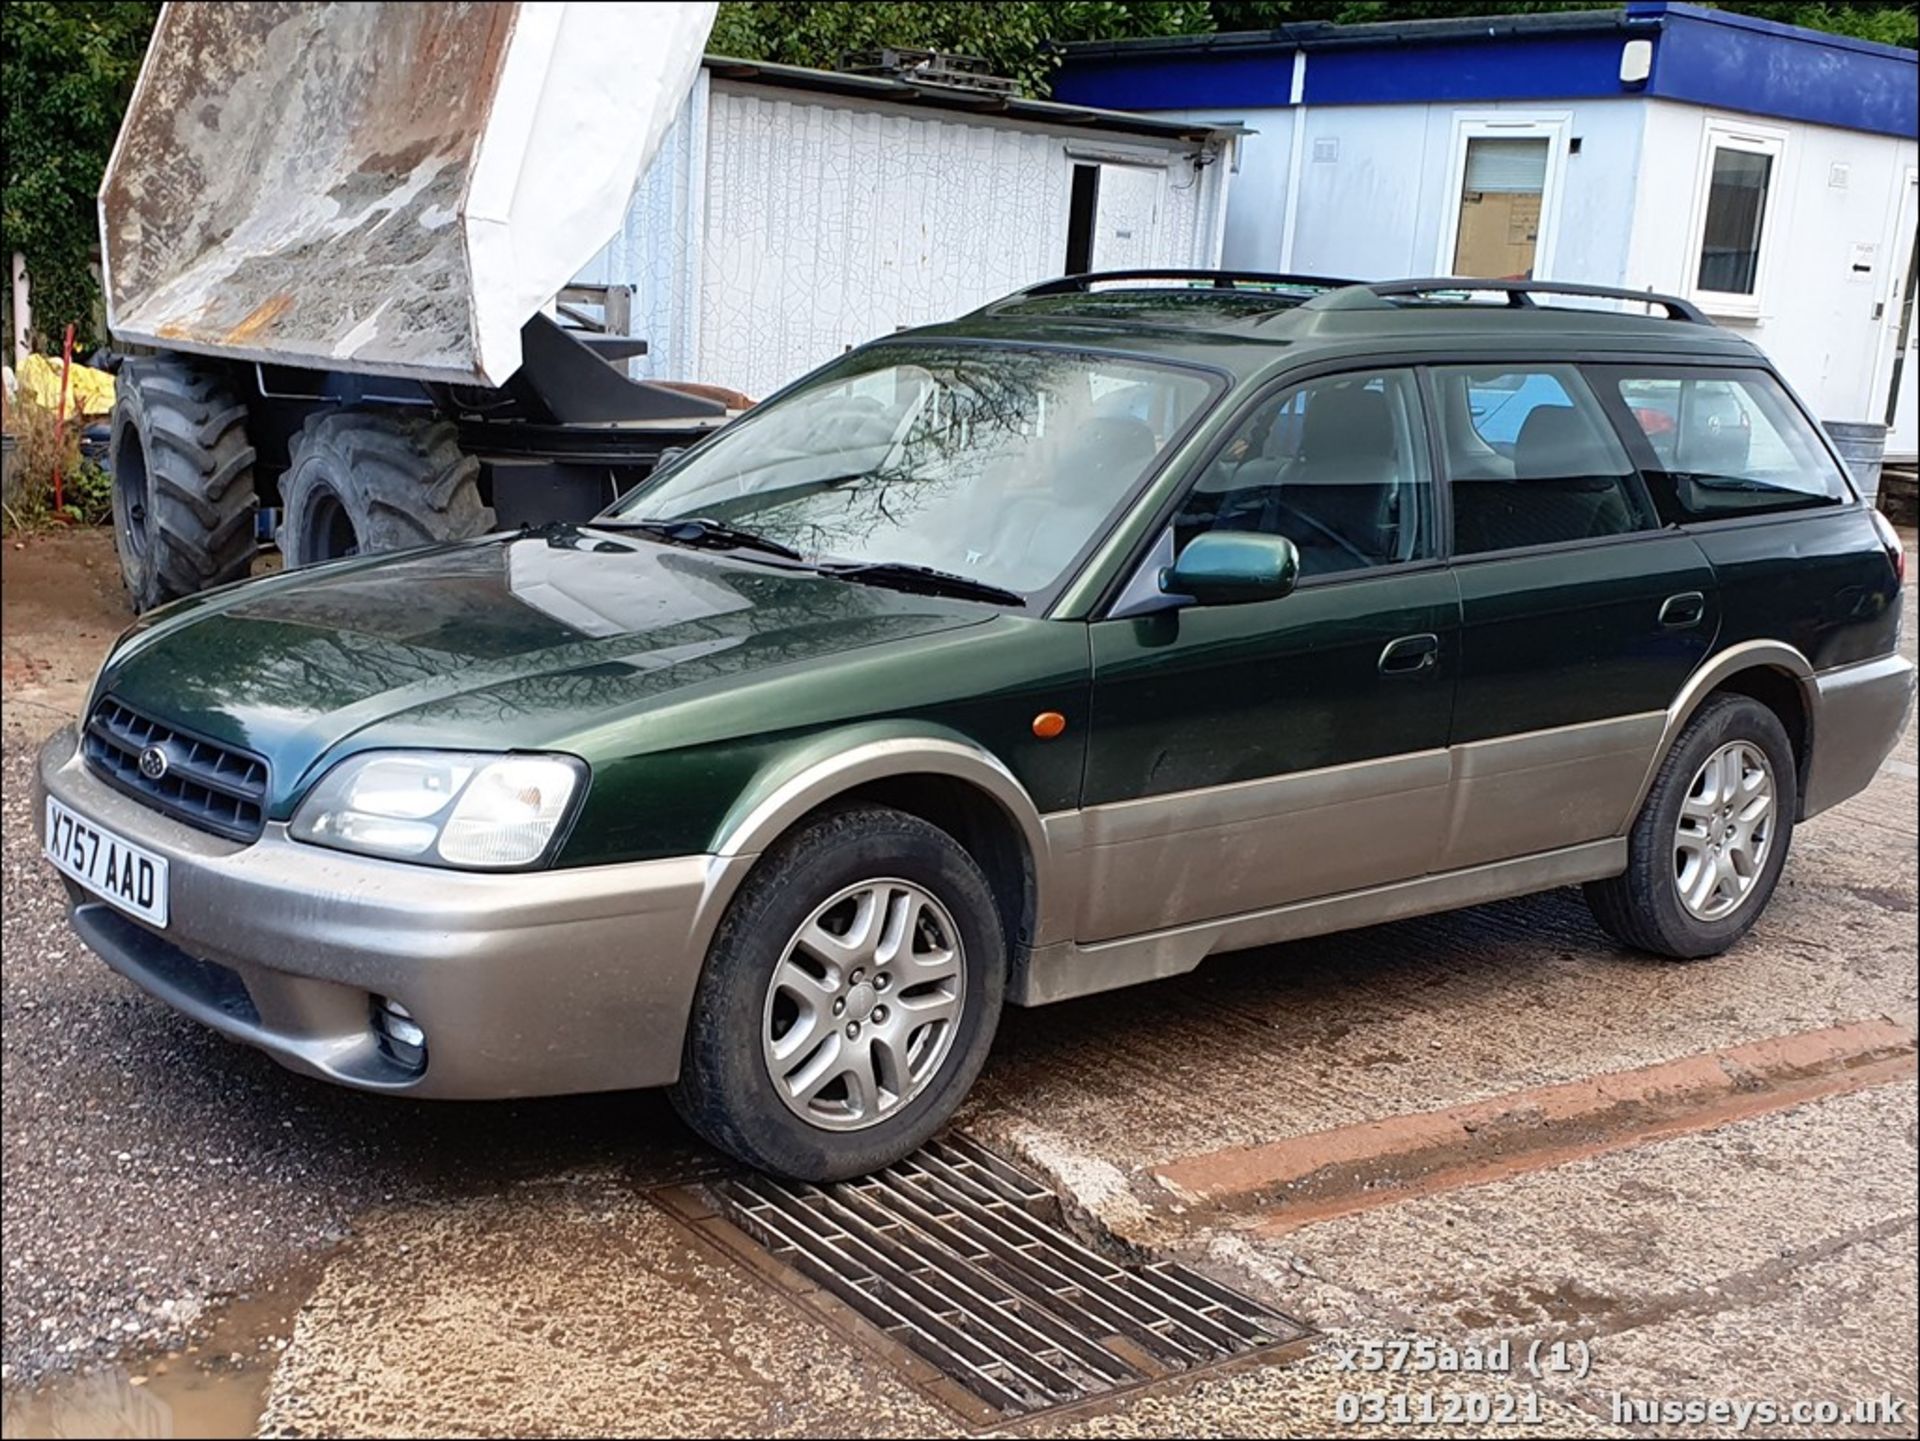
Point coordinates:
[(824, 223), (658, 248)]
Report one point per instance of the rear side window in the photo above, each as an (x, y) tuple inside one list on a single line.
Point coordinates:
[(1722, 442), (1532, 460)]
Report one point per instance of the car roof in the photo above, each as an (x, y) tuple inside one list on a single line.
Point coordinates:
[(1244, 321)]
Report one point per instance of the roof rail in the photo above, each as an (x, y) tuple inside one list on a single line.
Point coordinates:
[(1218, 279), (1519, 294)]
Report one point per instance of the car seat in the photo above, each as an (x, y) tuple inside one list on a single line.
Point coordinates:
[(858, 424), (1038, 534), (1566, 487), (1336, 498)]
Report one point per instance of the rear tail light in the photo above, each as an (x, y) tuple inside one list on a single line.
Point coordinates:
[(1896, 552)]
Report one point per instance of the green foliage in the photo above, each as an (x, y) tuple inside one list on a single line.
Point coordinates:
[(41, 445), (89, 494), (1015, 37), (1271, 14), (1891, 22), (66, 70), (1011, 36)]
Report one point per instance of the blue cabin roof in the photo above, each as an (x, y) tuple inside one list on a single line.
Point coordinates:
[(1700, 57)]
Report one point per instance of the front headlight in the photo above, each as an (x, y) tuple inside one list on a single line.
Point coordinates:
[(452, 808)]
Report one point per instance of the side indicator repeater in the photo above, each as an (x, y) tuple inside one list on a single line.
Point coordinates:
[(1048, 724)]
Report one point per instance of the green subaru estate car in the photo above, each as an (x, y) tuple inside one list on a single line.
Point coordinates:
[(1128, 620)]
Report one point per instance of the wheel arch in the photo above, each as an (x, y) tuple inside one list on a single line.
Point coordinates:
[(1776, 674), (938, 775)]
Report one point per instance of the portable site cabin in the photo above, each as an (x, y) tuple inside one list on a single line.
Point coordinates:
[(793, 213), (1766, 172)]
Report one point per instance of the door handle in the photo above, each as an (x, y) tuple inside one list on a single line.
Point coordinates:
[(1683, 610), (1410, 655)]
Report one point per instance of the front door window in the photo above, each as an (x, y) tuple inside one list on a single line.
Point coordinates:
[(1337, 465)]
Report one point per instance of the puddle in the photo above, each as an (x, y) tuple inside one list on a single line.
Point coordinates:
[(110, 1404), (216, 1387)]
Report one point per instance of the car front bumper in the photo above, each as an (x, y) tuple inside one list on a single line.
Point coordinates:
[(531, 983)]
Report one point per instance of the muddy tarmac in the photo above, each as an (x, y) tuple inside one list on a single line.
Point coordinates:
[(386, 1266)]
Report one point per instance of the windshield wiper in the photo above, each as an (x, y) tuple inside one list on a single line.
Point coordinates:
[(899, 575), (703, 531), (921, 579)]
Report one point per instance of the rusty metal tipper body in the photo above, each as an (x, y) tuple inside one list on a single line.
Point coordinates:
[(345, 226)]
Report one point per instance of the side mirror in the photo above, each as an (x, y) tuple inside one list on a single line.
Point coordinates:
[(1229, 567)]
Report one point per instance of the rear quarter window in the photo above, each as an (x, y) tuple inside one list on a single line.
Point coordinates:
[(1715, 443)]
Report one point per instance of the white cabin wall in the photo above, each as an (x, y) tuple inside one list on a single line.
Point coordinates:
[(1375, 187), (1368, 192), (1597, 200), (1816, 316), (830, 222), (657, 250), (1257, 200), (828, 226), (775, 230)]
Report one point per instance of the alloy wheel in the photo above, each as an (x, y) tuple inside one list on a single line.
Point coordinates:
[(1725, 831), (864, 1005)]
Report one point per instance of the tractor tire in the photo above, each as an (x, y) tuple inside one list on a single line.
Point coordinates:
[(360, 482), (183, 493)]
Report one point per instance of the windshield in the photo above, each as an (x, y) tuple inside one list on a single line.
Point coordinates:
[(998, 465)]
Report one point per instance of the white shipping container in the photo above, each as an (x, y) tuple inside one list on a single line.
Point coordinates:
[(782, 223)]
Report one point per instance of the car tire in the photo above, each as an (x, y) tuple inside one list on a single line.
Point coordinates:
[(728, 1089), (1656, 905), (183, 490), (360, 482)]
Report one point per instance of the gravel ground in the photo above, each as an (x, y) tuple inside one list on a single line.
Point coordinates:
[(153, 1168)]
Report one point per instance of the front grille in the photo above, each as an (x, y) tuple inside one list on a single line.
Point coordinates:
[(206, 784)]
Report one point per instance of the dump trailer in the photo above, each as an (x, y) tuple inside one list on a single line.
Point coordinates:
[(339, 238)]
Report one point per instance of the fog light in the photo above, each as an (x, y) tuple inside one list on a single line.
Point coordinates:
[(401, 1037)]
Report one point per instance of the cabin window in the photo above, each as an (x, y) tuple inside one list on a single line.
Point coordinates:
[(1739, 170)]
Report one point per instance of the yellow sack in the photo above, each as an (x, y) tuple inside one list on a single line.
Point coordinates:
[(89, 391)]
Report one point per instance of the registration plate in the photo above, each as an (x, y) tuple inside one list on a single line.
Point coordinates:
[(110, 866)]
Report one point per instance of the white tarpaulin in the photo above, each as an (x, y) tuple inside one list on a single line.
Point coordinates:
[(390, 189)]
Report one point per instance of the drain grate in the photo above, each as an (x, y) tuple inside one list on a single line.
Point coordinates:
[(959, 1255)]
